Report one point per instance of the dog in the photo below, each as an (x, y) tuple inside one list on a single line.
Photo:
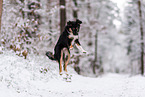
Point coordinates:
[(67, 39)]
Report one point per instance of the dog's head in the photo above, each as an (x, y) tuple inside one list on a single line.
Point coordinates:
[(74, 26)]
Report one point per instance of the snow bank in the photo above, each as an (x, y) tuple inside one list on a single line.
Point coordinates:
[(38, 77), (23, 76)]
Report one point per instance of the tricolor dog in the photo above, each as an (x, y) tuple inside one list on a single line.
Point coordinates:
[(67, 39)]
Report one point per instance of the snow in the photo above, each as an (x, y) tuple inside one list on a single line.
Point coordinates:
[(37, 76), (62, 7)]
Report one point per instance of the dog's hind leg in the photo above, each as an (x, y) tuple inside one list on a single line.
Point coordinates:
[(67, 61), (60, 63)]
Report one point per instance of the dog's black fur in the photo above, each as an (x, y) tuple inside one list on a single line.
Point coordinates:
[(65, 41)]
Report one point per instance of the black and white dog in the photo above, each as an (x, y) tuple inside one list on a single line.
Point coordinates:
[(67, 39)]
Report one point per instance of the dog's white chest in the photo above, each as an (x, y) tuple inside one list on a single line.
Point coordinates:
[(73, 37)]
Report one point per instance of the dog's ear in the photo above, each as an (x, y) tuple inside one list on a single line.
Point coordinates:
[(69, 23), (78, 21)]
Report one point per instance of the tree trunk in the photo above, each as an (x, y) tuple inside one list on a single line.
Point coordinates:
[(142, 38), (62, 15), (96, 53), (1, 6), (96, 62), (49, 18), (75, 14), (77, 60)]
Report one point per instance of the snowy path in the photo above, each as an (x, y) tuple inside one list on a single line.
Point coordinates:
[(22, 78), (111, 85)]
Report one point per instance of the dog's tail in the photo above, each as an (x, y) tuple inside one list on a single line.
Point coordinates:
[(50, 55)]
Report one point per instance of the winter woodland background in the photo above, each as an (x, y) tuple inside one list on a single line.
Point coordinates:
[(113, 35)]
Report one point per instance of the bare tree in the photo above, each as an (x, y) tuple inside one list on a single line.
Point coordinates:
[(142, 38), (1, 4), (62, 15)]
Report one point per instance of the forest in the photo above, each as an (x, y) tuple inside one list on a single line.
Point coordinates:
[(112, 33)]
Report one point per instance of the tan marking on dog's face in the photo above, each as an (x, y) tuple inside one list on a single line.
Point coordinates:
[(70, 30)]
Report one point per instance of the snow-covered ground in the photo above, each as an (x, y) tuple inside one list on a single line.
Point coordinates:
[(37, 76)]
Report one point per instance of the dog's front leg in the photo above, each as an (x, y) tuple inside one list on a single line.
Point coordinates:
[(80, 48), (78, 45)]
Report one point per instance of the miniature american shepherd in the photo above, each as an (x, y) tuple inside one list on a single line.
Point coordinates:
[(66, 41)]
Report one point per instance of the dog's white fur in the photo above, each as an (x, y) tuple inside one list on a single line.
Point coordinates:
[(80, 48), (74, 37)]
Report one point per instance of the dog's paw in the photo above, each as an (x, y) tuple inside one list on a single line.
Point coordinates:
[(60, 73), (85, 52)]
